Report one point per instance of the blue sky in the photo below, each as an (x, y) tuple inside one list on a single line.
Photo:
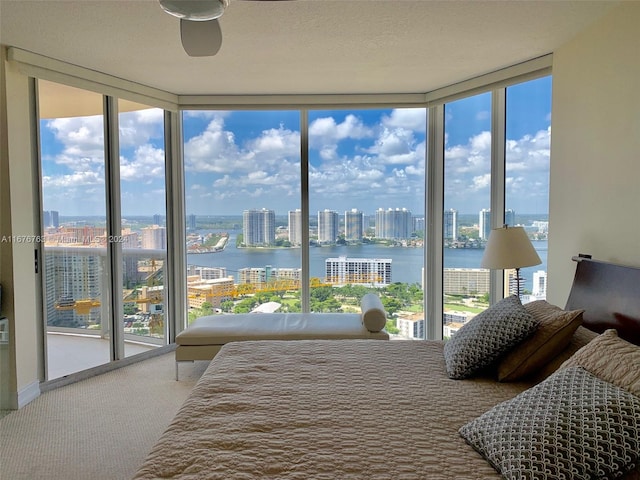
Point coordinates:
[(364, 159)]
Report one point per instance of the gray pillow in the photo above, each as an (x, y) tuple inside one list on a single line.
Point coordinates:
[(572, 425), (487, 337)]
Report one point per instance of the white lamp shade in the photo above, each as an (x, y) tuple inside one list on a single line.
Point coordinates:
[(509, 247)]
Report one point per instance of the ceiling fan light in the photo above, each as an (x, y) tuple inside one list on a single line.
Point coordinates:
[(195, 10)]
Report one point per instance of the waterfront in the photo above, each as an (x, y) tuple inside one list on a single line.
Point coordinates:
[(406, 266)]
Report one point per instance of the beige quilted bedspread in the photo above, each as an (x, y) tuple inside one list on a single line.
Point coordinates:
[(327, 409)]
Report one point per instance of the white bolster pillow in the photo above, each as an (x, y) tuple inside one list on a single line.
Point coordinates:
[(374, 317)]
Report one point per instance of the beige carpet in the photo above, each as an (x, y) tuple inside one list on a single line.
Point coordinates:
[(100, 428)]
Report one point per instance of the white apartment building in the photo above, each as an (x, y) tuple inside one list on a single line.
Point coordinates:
[(206, 273), (295, 227), (343, 270), (411, 326), (353, 225), (154, 238), (465, 281), (259, 227), (394, 224)]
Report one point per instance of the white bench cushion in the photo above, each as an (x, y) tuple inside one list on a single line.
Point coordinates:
[(221, 329)]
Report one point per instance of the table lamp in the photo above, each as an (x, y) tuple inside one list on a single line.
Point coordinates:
[(509, 247)]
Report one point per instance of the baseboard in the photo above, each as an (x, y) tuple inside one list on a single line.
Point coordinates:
[(28, 394)]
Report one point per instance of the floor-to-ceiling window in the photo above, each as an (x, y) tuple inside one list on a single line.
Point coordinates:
[(143, 231), (467, 212), (527, 161), (366, 211), (85, 323), (353, 203), (243, 207), (523, 119)]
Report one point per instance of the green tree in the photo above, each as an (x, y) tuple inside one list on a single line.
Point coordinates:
[(226, 306), (245, 306), (391, 328), (129, 308), (391, 305), (206, 309)]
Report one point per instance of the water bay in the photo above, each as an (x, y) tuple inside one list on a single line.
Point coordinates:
[(406, 261)]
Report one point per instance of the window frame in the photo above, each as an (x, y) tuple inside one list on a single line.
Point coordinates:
[(42, 67)]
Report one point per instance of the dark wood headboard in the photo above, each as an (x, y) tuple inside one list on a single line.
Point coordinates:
[(610, 296)]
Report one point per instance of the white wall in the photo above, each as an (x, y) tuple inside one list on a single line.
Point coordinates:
[(20, 382), (595, 148)]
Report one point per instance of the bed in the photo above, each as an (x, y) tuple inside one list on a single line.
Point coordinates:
[(352, 409)]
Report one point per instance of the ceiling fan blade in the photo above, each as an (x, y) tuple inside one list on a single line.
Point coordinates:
[(201, 39)]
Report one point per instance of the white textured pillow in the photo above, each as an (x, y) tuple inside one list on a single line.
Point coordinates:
[(374, 317), (612, 359)]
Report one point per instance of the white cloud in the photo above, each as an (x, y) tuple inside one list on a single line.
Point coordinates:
[(148, 163), (75, 179), (398, 146), (80, 136), (140, 127), (468, 172), (414, 119), (325, 134)]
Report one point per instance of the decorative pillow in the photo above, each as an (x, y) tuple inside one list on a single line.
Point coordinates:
[(555, 329), (374, 317), (484, 339), (612, 359), (572, 425)]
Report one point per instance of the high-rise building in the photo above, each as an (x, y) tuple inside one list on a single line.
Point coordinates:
[(295, 227), (539, 285), (71, 275), (158, 219), (50, 219), (259, 227), (484, 221), (418, 225), (510, 217), (484, 224), (343, 270), (328, 222), (353, 225), (394, 224), (154, 237), (191, 222), (465, 281), (450, 227)]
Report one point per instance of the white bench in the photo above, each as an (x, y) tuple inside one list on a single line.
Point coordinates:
[(207, 335)]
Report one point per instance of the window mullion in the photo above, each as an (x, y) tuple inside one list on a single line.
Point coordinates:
[(498, 142), (114, 221), (305, 290), (175, 261), (434, 199)]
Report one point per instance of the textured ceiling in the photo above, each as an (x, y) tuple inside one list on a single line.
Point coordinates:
[(300, 46)]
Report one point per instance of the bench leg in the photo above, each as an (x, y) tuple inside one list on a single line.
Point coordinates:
[(182, 361)]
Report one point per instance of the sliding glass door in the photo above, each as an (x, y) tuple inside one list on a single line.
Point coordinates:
[(92, 319), (76, 269), (143, 230)]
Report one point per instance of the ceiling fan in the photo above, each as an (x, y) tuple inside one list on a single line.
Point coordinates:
[(199, 27)]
